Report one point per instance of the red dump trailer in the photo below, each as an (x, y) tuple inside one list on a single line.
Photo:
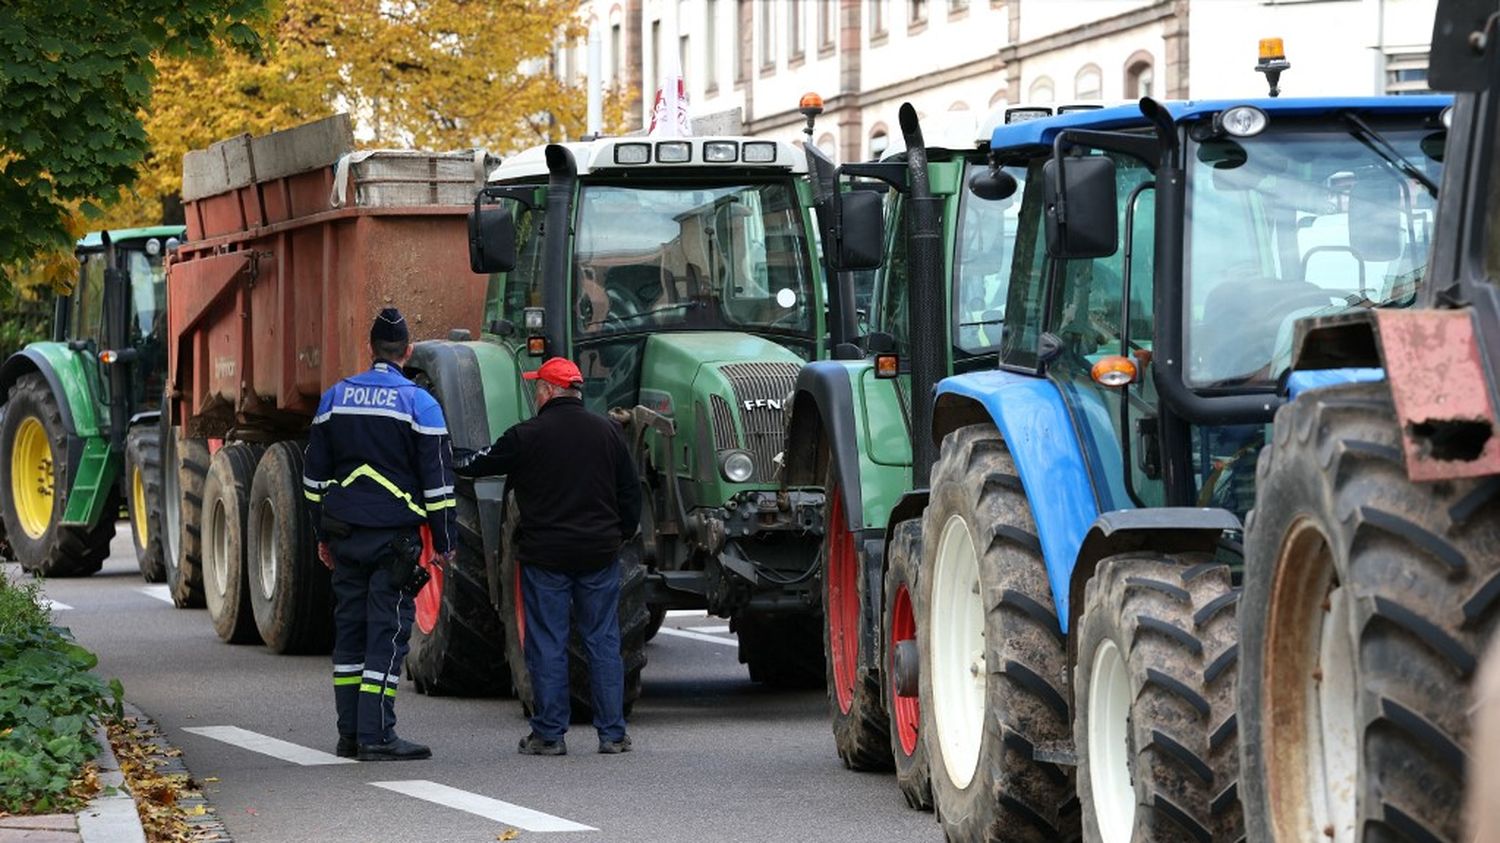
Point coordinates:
[(294, 242)]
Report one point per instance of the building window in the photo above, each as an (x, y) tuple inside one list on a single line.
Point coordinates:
[(742, 12), (1089, 83), (616, 54), (1140, 76), (656, 53), (827, 145), (1040, 92), (877, 18), (998, 99), (878, 141), (917, 12), (683, 59), (794, 38), (827, 9), (1406, 73), (958, 6), (767, 35)]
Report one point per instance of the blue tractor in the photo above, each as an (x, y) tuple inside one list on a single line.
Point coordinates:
[(1080, 539)]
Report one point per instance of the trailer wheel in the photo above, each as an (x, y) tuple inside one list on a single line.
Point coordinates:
[(144, 500), (457, 642), (291, 592), (1155, 724), (1367, 602), (782, 650), (899, 628), (658, 614), (993, 672), (189, 468), (633, 618), (856, 700), (35, 477), (226, 576)]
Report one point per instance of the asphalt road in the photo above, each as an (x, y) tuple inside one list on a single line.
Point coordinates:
[(717, 758)]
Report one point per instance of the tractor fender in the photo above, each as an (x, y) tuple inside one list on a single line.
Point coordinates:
[(1034, 422), (477, 385), (829, 424), (64, 377), (1171, 529)]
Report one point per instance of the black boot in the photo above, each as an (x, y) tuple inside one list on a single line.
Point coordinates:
[(395, 750), (348, 747)]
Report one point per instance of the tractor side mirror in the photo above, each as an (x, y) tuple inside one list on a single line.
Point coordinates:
[(1081, 207), (1375, 231), (492, 240), (863, 236)]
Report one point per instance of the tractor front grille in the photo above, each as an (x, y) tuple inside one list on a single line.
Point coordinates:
[(725, 436), (760, 390)]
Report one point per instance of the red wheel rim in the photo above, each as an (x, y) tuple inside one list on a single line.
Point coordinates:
[(430, 598), (520, 609), (908, 711), (842, 610)]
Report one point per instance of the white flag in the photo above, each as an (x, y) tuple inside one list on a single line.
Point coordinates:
[(669, 114)]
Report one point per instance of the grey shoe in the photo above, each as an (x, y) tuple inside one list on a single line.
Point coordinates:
[(615, 747), (533, 745), (395, 750)]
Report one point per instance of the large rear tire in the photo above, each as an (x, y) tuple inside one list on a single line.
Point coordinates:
[(1154, 724), (226, 506), (1367, 602), (899, 634), (185, 567), (35, 479), (457, 643), (144, 500), (291, 592), (994, 669), (633, 620), (856, 699)]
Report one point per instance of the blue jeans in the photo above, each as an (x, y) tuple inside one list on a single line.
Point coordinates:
[(592, 599)]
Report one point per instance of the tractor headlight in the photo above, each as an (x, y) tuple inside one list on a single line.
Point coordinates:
[(736, 466), (1243, 121)]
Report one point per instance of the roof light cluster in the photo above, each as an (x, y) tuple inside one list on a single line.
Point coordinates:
[(681, 152)]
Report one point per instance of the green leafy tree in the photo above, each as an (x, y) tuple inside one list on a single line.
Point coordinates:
[(75, 78)]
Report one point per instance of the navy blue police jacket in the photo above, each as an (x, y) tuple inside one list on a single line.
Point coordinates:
[(378, 455)]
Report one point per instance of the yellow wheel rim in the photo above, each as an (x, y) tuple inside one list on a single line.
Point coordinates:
[(31, 477), (138, 507)]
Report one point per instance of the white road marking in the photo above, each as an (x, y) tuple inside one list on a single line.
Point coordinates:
[(55, 606), (160, 592), (698, 636), (267, 745), (686, 613), (483, 806), (709, 629)]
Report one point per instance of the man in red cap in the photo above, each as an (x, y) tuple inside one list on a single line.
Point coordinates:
[(579, 499)]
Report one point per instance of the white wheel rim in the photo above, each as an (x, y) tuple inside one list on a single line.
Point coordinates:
[(171, 505), (1336, 758), (958, 652), (268, 561), (1109, 745), (218, 548)]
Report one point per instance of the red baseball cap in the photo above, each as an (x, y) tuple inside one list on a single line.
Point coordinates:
[(558, 371)]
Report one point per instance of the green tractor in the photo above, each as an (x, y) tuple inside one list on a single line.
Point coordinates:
[(80, 432), (683, 277)]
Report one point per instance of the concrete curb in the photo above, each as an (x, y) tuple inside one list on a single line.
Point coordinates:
[(110, 817)]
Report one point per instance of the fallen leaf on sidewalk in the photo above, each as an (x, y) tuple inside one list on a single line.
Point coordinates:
[(508, 834), (210, 778)]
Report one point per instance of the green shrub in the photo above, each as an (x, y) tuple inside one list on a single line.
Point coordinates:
[(48, 704)]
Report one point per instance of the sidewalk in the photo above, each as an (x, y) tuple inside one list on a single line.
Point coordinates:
[(110, 817)]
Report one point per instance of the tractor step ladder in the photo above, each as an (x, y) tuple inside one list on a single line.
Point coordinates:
[(96, 474)]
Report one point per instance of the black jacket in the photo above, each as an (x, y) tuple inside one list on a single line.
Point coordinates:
[(573, 481)]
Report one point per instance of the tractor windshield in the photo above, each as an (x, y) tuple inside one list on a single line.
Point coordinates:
[(1305, 219), (733, 257)]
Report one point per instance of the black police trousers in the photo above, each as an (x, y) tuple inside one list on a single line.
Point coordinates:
[(372, 627)]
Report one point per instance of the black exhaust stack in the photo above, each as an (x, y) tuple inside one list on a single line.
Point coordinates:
[(562, 172), (928, 328)]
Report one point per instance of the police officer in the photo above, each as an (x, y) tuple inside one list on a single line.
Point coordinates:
[(579, 499), (378, 471)]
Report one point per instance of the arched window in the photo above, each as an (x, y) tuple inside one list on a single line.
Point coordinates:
[(1041, 92), (1140, 75), (959, 106), (998, 98), (878, 141), (827, 144), (1089, 83)]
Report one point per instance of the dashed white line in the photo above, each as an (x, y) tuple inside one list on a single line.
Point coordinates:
[(709, 629), (686, 613), (484, 806), (267, 745), (698, 636), (55, 606), (160, 592)]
